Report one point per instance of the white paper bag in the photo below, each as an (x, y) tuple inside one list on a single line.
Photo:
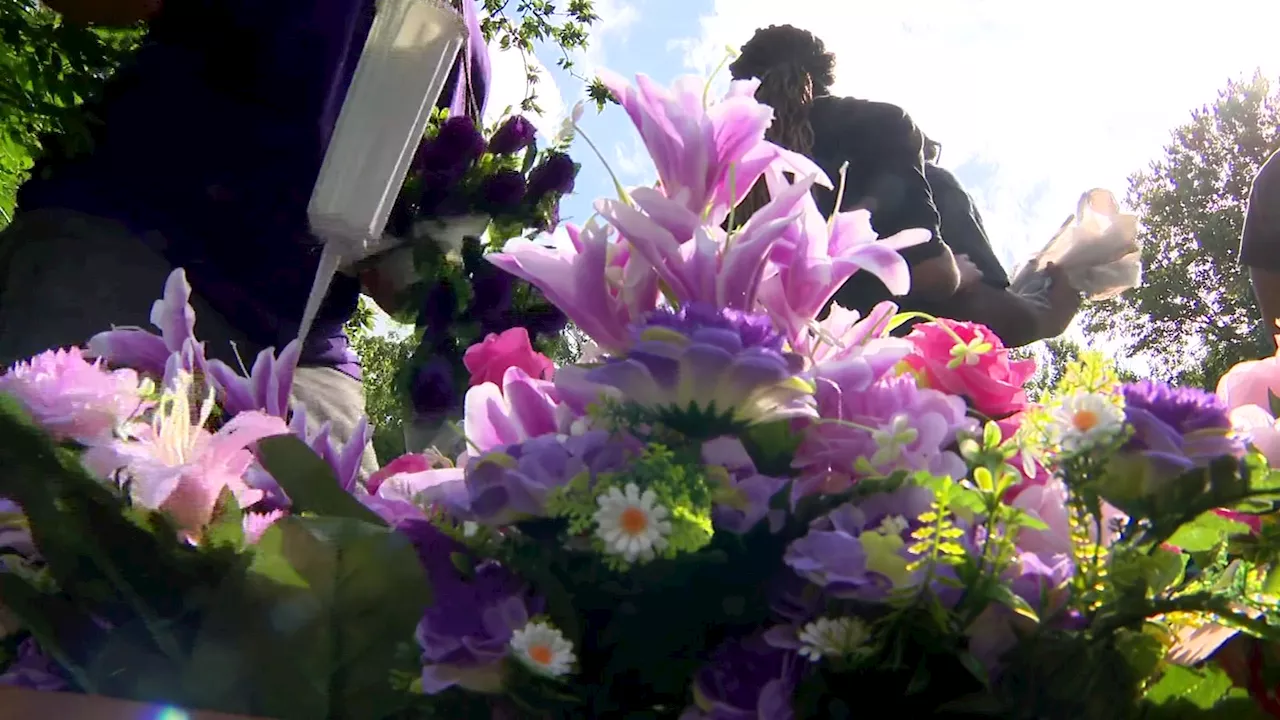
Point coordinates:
[(1097, 247)]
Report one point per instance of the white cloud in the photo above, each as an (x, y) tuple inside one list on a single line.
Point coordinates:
[(1058, 96), (507, 89), (616, 19)]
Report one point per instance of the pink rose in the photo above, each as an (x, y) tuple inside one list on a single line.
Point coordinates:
[(968, 360), (72, 398), (488, 361)]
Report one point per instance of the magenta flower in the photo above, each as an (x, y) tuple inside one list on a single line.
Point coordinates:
[(267, 388), (876, 428), (967, 359), (707, 157), (72, 398), (176, 465), (602, 286), (145, 351)]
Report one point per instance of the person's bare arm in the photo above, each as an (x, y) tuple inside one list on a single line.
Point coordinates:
[(1016, 320), (1266, 288), (935, 279), (111, 13)]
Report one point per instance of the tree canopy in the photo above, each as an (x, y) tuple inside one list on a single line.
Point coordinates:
[(1194, 315)]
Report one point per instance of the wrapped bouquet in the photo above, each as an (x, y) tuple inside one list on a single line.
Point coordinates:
[(740, 509)]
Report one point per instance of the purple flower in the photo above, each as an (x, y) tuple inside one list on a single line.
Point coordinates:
[(554, 175), (1176, 429), (503, 191), (743, 501), (514, 135), (1042, 584), (266, 389), (710, 370), (746, 679), (147, 352), (752, 329), (860, 551), (510, 485), (33, 670), (433, 389), (465, 633), (455, 147)]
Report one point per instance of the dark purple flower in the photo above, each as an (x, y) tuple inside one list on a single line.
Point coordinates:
[(751, 329), (477, 606), (514, 135), (746, 679), (1042, 584), (555, 174), (33, 670), (456, 145), (439, 306), (503, 191), (433, 389), (1176, 429)]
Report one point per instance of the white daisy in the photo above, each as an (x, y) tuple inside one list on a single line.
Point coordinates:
[(631, 523), (1084, 419), (833, 637), (543, 649)]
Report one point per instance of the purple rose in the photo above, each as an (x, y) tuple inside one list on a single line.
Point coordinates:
[(516, 134), (746, 679), (553, 175), (503, 191)]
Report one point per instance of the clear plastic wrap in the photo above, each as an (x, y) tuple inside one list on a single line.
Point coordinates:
[(1097, 247)]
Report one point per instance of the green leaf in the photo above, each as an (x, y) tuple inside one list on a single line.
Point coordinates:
[(1205, 532), (312, 632), (991, 436), (1201, 687), (1274, 402), (309, 481), (227, 526)]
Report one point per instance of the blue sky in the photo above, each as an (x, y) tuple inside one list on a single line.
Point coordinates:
[(1034, 102)]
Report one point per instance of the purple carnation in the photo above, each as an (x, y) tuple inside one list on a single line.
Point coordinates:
[(746, 679), (752, 329), (33, 670), (748, 493), (466, 632), (1177, 429), (514, 135), (503, 191), (554, 175)]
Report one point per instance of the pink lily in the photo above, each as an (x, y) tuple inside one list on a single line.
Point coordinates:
[(700, 151), (712, 268), (176, 465), (844, 334), (819, 256), (145, 351), (600, 285)]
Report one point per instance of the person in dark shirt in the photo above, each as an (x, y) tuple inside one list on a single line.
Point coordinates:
[(1260, 242), (886, 174), (207, 147)]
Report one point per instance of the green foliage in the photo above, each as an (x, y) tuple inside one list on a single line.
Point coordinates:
[(383, 360), (539, 21), (1194, 315), (308, 623), (47, 68), (309, 481)]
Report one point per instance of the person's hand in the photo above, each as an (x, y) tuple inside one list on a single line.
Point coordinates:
[(970, 275), (1064, 302)]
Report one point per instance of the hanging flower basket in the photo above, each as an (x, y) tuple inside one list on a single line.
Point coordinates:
[(22, 704)]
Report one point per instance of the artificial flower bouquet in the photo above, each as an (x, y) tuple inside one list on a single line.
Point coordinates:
[(742, 509)]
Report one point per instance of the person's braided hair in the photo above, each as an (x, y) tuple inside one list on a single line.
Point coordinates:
[(793, 67)]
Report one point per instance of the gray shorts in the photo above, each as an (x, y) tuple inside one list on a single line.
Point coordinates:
[(65, 276)]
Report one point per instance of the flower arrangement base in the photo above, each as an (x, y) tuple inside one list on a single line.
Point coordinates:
[(22, 704)]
